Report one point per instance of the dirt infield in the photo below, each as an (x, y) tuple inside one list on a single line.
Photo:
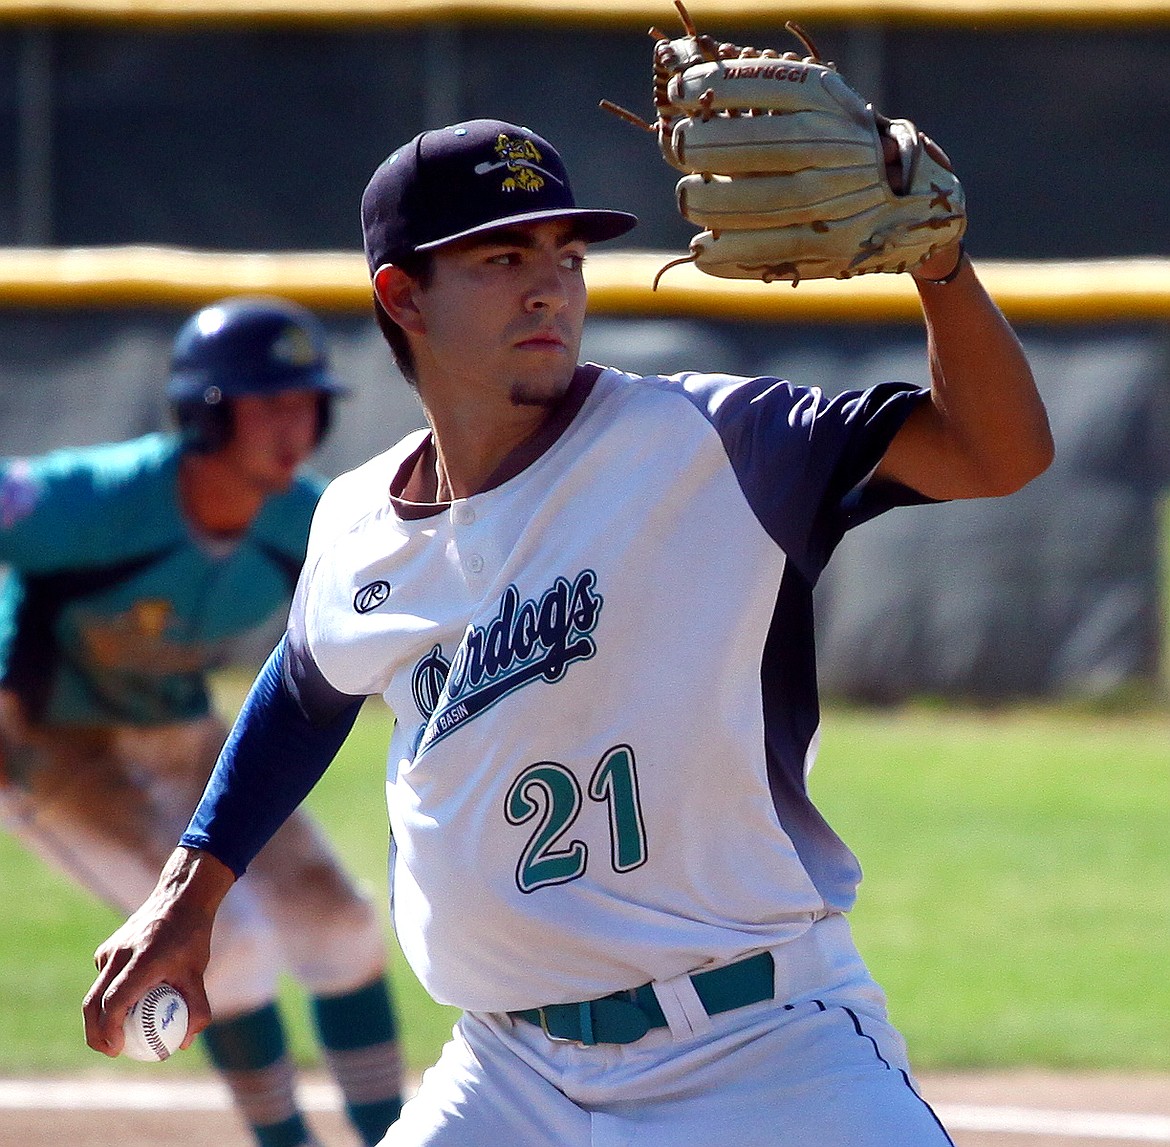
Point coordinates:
[(1056, 1109), (1022, 1109)]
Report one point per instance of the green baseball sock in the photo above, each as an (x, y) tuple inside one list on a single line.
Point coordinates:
[(251, 1054), (359, 1036)]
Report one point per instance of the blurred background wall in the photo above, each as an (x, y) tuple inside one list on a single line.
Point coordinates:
[(259, 135)]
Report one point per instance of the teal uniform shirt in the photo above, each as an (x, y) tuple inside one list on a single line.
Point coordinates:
[(114, 609)]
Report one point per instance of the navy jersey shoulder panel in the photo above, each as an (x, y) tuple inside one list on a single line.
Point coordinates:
[(791, 710), (802, 459)]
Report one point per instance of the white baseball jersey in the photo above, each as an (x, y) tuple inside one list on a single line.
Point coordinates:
[(603, 675)]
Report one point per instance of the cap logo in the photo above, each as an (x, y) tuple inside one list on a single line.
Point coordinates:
[(521, 160), (294, 347)]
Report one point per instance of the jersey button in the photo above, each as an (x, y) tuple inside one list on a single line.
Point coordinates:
[(475, 564), (463, 515)]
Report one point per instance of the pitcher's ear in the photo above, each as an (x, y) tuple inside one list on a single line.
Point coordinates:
[(395, 291)]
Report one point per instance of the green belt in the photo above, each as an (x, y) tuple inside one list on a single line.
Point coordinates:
[(627, 1016)]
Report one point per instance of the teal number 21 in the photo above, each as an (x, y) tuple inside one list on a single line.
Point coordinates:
[(550, 792)]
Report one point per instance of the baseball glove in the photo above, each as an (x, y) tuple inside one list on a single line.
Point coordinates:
[(789, 171)]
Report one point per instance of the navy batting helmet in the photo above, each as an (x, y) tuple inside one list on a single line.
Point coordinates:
[(242, 346)]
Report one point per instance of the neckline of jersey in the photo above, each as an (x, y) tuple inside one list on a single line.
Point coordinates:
[(517, 461)]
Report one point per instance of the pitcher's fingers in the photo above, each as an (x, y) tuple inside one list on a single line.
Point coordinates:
[(103, 1023), (190, 987)]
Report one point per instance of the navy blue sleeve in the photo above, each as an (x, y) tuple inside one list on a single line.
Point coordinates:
[(803, 460), (273, 757)]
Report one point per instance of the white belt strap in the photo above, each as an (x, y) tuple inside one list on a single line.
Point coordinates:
[(680, 1004)]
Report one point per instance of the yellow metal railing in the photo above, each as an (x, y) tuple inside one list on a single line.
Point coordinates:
[(612, 13), (1102, 290)]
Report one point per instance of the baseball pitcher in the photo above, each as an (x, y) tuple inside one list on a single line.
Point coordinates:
[(587, 597)]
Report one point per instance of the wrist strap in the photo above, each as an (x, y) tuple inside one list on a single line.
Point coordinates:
[(953, 274)]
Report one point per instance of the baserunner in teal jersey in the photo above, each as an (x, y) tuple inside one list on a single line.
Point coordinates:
[(132, 570)]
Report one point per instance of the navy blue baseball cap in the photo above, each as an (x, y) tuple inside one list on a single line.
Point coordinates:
[(466, 179)]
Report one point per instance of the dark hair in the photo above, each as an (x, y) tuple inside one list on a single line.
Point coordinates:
[(421, 268)]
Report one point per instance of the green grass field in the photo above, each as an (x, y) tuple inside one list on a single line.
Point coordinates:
[(1016, 903)]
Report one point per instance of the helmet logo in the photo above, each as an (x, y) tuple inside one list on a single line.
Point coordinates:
[(294, 347)]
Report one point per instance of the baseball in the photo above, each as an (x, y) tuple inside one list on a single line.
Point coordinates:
[(156, 1025)]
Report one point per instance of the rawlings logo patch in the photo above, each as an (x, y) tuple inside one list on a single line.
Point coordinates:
[(371, 596)]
